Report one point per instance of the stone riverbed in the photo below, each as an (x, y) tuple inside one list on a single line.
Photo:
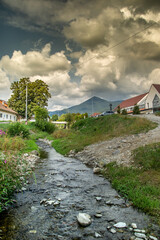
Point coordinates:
[(63, 187)]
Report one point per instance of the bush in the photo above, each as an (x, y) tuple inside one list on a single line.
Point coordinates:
[(49, 127), (157, 114), (124, 112), (61, 133), (40, 124), (18, 129), (12, 144), (136, 110)]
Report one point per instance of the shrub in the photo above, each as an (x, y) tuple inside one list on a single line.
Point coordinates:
[(136, 109), (157, 114), (11, 169), (12, 144), (49, 127), (61, 133), (124, 112), (18, 129), (118, 110)]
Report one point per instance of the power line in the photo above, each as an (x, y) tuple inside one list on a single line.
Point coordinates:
[(121, 42)]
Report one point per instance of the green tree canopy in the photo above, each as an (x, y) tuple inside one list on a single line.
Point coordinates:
[(54, 117), (38, 95)]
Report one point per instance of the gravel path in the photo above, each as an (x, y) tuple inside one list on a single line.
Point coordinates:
[(119, 149)]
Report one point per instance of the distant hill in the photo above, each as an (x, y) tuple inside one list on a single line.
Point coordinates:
[(94, 104)]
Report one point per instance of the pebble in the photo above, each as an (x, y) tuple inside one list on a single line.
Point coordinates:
[(84, 219), (134, 225), (112, 230), (97, 235), (96, 170), (153, 238), (120, 225), (139, 230), (98, 215), (32, 231), (98, 198), (140, 235)]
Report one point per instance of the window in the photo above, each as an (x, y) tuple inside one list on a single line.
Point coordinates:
[(6, 116), (0, 115), (10, 117)]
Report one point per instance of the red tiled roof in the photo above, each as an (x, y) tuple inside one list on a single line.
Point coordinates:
[(157, 87), (95, 114), (131, 101), (5, 108)]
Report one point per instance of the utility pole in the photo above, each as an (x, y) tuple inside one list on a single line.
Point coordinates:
[(26, 102), (110, 106)]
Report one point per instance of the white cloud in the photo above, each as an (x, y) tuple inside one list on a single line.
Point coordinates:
[(34, 62), (4, 86)]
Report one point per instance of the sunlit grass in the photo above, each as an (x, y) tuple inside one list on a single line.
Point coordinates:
[(92, 130), (141, 182)]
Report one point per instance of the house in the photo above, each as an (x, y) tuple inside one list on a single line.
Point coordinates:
[(147, 102), (6, 113), (95, 114), (153, 98)]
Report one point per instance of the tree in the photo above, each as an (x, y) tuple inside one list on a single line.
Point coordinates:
[(54, 117), (38, 95), (69, 118), (136, 109), (118, 109), (41, 117)]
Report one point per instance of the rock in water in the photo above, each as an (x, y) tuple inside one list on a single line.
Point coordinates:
[(84, 219), (120, 225)]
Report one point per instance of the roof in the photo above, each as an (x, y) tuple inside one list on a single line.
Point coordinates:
[(157, 87), (131, 101), (5, 108), (95, 114)]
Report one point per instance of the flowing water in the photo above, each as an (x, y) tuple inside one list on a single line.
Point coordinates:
[(72, 188)]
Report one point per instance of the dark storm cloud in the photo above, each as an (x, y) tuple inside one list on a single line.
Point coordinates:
[(115, 54)]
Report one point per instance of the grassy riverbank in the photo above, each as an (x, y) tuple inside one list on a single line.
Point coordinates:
[(12, 164), (140, 183), (91, 130)]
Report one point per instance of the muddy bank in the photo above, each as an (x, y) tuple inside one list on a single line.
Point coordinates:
[(62, 188)]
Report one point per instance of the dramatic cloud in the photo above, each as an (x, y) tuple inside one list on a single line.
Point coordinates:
[(34, 63), (112, 47)]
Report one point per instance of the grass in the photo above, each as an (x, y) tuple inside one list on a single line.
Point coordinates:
[(141, 182), (91, 130), (157, 114), (12, 165)]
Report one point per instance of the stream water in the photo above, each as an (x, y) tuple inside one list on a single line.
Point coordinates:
[(69, 187)]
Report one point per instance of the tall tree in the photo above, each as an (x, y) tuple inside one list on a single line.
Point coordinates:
[(38, 95)]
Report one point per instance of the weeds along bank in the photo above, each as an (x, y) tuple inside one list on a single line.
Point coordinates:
[(92, 130), (139, 183), (17, 157)]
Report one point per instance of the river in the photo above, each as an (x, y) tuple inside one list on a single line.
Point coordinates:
[(62, 188)]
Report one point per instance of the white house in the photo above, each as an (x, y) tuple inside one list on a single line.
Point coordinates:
[(6, 113), (147, 102), (153, 98)]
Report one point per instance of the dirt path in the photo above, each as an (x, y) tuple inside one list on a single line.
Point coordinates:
[(119, 149)]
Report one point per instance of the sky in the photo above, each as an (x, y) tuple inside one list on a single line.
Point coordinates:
[(80, 48)]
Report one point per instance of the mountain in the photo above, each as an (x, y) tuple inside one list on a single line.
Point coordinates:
[(94, 104)]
